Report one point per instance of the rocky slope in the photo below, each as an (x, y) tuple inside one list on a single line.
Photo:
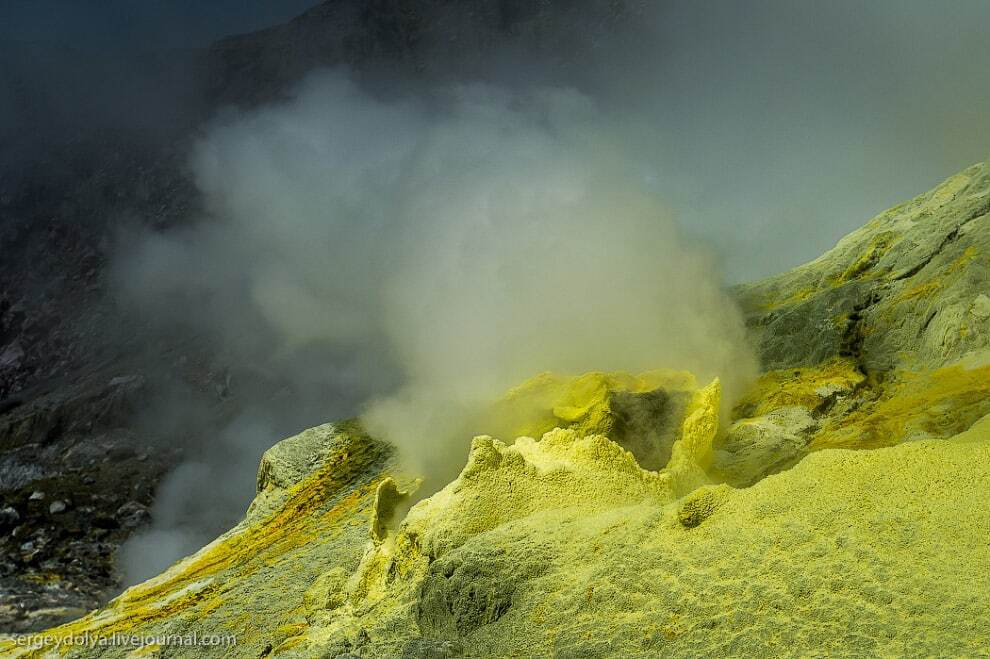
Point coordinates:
[(839, 512), (74, 370)]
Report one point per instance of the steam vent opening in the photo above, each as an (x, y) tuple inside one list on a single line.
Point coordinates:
[(416, 329)]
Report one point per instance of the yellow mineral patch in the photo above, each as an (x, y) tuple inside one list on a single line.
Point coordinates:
[(879, 245), (558, 471), (388, 502), (807, 387), (905, 405), (501, 484), (692, 453), (913, 405), (896, 539), (928, 287), (800, 295), (922, 289), (549, 401), (700, 504), (967, 257)]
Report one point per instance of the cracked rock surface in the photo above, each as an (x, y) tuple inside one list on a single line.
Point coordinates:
[(905, 291)]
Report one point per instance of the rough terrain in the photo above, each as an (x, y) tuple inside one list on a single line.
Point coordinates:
[(840, 512)]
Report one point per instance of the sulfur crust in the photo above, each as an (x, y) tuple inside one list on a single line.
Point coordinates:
[(906, 405), (850, 553), (549, 401)]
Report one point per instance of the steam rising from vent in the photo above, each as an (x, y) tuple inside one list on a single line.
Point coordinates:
[(462, 242), (482, 241)]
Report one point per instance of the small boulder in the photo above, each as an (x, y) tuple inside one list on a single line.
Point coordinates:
[(756, 447), (57, 507), (981, 307), (701, 504), (292, 459), (132, 515)]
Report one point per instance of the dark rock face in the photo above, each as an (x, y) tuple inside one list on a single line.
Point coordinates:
[(73, 478), (787, 342), (57, 233), (416, 40), (648, 424), (72, 449)]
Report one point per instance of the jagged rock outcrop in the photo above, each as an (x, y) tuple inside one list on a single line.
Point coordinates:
[(634, 526), (880, 340), (323, 532), (643, 413), (908, 290)]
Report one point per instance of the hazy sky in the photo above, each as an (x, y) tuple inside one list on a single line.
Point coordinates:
[(782, 125), (771, 127)]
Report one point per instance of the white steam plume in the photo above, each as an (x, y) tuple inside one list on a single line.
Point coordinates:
[(482, 239), (468, 240)]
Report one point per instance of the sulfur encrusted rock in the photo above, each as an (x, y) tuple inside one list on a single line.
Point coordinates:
[(431, 578), (641, 413), (824, 558), (827, 557), (614, 515), (755, 447), (253, 582), (701, 504), (291, 460)]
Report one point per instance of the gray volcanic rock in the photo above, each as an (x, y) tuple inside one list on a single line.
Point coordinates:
[(882, 339), (753, 448), (906, 290)]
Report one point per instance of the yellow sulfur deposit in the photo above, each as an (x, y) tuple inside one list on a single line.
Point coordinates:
[(544, 546), (840, 512)]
